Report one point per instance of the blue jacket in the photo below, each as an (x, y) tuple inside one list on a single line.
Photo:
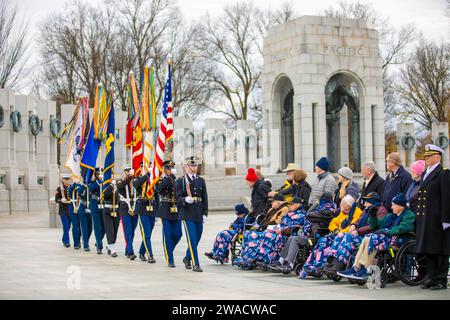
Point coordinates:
[(165, 189), (395, 184), (194, 211)]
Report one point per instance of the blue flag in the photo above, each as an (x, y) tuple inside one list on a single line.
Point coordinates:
[(108, 170), (90, 154)]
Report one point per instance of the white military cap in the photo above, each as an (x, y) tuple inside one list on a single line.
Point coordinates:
[(126, 167), (65, 176), (431, 149)]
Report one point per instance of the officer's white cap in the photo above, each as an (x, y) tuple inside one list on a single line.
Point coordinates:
[(65, 176), (126, 167), (431, 149)]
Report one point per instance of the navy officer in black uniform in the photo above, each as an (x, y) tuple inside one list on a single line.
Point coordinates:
[(146, 211), (192, 203), (167, 211), (111, 219)]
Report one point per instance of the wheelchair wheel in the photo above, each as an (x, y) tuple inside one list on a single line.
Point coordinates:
[(334, 277), (300, 260), (236, 249), (409, 267)]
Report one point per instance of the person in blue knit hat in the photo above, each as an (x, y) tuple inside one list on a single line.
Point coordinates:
[(325, 183), (225, 238), (387, 231)]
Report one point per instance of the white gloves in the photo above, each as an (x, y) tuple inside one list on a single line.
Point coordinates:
[(204, 218), (113, 182), (132, 172), (189, 200), (445, 225)]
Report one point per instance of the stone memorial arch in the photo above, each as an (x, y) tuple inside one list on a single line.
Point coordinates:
[(322, 94)]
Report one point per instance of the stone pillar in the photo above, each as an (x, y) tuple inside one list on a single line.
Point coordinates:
[(378, 146), (405, 130), (307, 135), (246, 143), (8, 164), (122, 154), (183, 138), (439, 133), (215, 146)]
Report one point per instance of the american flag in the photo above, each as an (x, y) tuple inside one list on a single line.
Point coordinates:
[(165, 134)]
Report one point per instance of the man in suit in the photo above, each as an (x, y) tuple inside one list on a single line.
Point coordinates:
[(372, 181), (433, 220), (192, 204)]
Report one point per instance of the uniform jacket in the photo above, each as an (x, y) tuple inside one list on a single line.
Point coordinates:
[(76, 194), (123, 186), (198, 209), (393, 224), (341, 222), (94, 191), (260, 197), (165, 189), (324, 183), (395, 184), (433, 208), (110, 197), (63, 207), (140, 185)]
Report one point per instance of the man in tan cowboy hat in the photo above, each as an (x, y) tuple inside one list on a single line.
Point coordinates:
[(289, 170)]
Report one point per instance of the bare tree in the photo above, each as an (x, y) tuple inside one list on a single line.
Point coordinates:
[(13, 46), (424, 94)]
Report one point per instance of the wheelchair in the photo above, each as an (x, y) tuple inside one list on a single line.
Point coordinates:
[(398, 263), (305, 251), (238, 244)]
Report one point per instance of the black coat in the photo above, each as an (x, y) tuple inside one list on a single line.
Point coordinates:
[(194, 211), (123, 186), (433, 209), (63, 207), (301, 190), (375, 185), (167, 200), (260, 197), (140, 185)]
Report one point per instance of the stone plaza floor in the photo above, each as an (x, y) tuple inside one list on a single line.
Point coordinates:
[(35, 265)]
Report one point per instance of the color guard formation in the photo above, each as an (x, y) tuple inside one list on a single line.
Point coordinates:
[(181, 202)]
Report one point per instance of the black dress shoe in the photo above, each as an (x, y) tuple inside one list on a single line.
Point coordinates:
[(109, 251), (87, 249), (439, 286), (132, 256), (210, 255), (197, 269), (76, 248), (171, 265), (151, 260), (142, 257), (127, 255), (67, 245), (187, 263), (99, 251), (114, 254), (427, 284)]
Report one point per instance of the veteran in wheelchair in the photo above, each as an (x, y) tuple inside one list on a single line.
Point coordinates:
[(378, 248)]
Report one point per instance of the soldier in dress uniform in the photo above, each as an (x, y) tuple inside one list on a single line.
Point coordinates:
[(127, 206), (167, 211), (63, 200), (192, 204), (111, 219), (146, 211), (84, 214), (95, 189), (433, 219), (75, 203)]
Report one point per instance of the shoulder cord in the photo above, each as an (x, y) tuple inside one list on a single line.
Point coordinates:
[(188, 187)]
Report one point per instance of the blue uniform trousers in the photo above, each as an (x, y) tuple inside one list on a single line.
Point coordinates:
[(193, 232), (146, 225), (171, 233), (86, 225), (129, 227), (97, 219), (76, 231), (65, 222)]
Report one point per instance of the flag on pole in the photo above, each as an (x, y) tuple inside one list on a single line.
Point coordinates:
[(108, 171), (77, 141), (164, 130), (149, 113), (133, 128)]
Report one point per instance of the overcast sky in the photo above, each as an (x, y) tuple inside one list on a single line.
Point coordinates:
[(428, 15)]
